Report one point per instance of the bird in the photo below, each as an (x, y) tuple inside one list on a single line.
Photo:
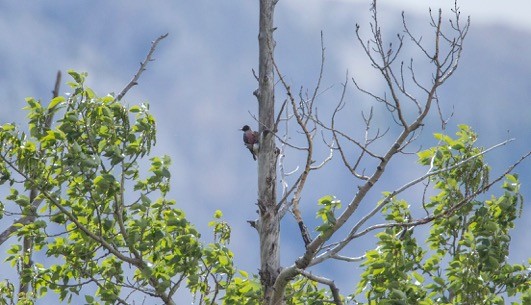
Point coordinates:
[(251, 140)]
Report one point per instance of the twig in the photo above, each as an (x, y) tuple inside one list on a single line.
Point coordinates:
[(353, 232), (142, 68), (446, 213), (348, 258), (326, 281), (55, 92)]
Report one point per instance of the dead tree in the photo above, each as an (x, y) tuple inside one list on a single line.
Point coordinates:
[(443, 53), (268, 225)]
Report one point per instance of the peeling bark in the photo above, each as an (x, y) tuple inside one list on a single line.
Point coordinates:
[(269, 223)]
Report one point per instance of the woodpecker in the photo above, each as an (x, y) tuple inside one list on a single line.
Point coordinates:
[(251, 140)]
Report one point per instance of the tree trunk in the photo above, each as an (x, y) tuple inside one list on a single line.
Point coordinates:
[(269, 223)]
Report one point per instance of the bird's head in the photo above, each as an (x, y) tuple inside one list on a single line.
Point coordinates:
[(245, 128)]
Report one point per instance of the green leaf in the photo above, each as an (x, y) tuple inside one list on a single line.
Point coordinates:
[(55, 101), (104, 181), (8, 127), (89, 93), (418, 277), (326, 200), (79, 78), (458, 146), (439, 281), (134, 109), (89, 299), (223, 260)]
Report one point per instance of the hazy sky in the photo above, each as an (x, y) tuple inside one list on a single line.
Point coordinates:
[(514, 13)]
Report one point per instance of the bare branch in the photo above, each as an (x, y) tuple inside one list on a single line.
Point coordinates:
[(354, 231), (317, 86), (283, 174), (309, 140), (386, 59), (275, 129), (327, 159), (357, 143), (348, 259), (143, 66), (450, 211), (55, 92), (325, 281)]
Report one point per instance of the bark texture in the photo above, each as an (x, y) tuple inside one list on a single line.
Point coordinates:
[(269, 223)]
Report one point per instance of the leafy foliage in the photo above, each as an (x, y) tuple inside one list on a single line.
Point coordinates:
[(327, 212), (99, 233), (247, 290), (468, 242)]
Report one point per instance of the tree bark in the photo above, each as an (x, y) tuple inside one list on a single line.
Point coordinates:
[(269, 223)]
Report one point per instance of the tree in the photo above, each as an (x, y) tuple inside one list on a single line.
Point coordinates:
[(456, 216), (103, 223), (268, 224)]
